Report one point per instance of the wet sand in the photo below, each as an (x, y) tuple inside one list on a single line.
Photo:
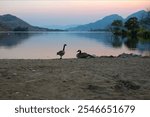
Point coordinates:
[(69, 79)]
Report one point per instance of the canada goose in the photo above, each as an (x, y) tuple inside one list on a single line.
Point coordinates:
[(83, 55), (62, 52)]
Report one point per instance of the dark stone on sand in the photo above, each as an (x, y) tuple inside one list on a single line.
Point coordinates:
[(92, 87), (122, 84), (124, 55), (107, 56)]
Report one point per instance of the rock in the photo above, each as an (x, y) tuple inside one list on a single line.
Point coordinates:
[(145, 56), (107, 56), (17, 92), (117, 76), (14, 74), (122, 84), (124, 55), (92, 87), (8, 77), (33, 70), (64, 81), (27, 95)]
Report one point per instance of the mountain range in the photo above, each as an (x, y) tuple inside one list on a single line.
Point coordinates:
[(12, 23), (103, 23), (9, 22)]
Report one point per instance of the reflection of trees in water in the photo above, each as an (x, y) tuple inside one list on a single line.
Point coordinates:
[(144, 48), (9, 40), (100, 37), (131, 43), (136, 44), (105, 38), (117, 41), (111, 40)]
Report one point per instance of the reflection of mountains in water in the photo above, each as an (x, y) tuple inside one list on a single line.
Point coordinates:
[(116, 41), (9, 40), (105, 38)]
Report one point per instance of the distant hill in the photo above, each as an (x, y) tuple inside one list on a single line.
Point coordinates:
[(103, 24), (100, 24), (9, 22), (139, 15), (12, 23)]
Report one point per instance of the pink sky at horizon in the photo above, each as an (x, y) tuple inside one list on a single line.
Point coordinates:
[(42, 13)]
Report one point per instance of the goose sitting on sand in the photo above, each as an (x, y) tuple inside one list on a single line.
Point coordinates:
[(83, 55), (62, 52)]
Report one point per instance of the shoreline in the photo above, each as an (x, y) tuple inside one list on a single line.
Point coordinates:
[(114, 78), (123, 55)]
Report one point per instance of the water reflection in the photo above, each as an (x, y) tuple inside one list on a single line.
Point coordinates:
[(131, 43), (101, 37), (46, 44), (117, 41), (9, 40)]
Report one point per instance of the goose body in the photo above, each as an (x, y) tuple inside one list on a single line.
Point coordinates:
[(83, 55), (62, 52)]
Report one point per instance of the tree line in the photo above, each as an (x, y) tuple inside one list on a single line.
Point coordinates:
[(132, 27)]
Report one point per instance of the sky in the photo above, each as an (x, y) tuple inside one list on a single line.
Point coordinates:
[(69, 12)]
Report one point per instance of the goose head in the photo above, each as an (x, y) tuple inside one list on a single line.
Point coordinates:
[(79, 51), (65, 44)]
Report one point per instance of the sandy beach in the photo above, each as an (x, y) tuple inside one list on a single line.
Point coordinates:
[(70, 79)]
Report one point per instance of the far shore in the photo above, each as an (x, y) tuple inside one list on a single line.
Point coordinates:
[(117, 78), (58, 30)]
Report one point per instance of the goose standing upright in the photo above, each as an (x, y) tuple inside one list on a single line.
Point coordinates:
[(83, 55), (62, 52)]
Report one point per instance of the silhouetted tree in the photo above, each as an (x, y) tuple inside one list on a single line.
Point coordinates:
[(116, 27), (118, 23), (132, 24), (21, 29)]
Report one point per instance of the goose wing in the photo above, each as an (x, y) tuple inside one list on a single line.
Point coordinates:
[(84, 55), (61, 53)]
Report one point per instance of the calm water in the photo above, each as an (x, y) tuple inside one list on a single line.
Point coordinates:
[(46, 44)]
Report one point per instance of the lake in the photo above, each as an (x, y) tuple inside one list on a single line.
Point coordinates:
[(45, 45)]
